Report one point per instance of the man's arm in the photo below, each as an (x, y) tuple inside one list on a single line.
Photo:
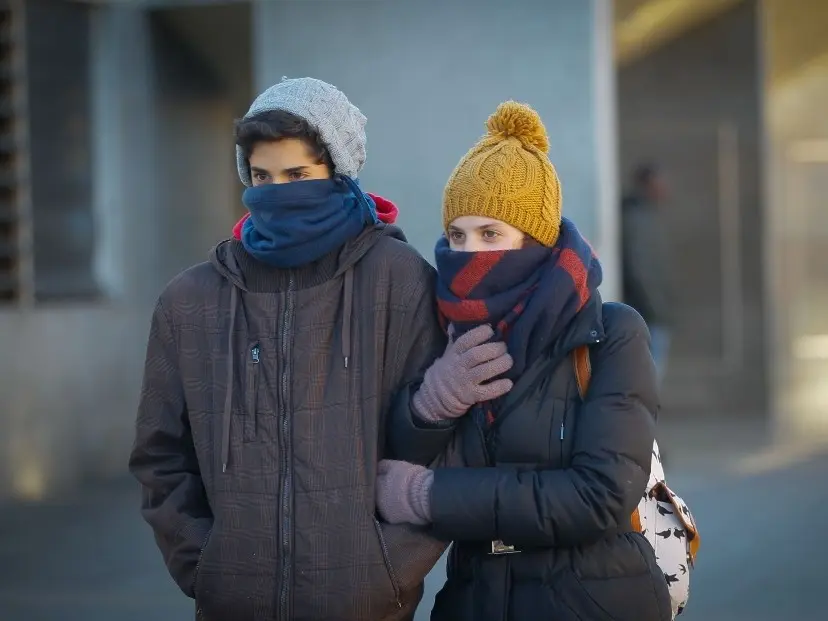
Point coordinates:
[(164, 461)]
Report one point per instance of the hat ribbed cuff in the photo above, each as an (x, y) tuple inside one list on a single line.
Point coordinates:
[(544, 232)]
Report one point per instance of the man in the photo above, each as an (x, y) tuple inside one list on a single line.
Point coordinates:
[(647, 276), (270, 373)]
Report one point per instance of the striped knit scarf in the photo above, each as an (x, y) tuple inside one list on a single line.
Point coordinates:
[(529, 296)]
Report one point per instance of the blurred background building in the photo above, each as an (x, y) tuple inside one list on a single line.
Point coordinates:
[(117, 171), (116, 149)]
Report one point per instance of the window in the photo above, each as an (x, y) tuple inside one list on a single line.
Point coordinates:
[(46, 212), (10, 220)]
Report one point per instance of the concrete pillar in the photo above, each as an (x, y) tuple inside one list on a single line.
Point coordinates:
[(124, 131), (796, 97)]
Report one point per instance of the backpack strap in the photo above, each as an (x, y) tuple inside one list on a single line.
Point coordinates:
[(583, 369)]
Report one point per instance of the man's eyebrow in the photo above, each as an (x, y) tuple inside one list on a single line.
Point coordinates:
[(295, 169)]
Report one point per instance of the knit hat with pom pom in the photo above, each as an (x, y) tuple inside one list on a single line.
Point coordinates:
[(508, 176)]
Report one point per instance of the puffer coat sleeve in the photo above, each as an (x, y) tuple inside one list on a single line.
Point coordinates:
[(609, 468)]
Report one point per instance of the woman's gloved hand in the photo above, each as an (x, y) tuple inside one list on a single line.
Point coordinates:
[(404, 492), (457, 380)]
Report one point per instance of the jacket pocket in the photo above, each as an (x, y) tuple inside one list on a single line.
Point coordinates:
[(251, 392), (198, 568), (392, 575)]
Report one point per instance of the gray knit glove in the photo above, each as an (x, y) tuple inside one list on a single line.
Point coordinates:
[(456, 382), (404, 492)]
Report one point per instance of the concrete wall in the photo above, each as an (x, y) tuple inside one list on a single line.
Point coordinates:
[(694, 107), (69, 374), (427, 75)]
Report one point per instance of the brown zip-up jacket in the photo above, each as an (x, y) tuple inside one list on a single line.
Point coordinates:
[(261, 422)]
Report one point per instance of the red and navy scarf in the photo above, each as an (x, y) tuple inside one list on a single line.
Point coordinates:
[(529, 296)]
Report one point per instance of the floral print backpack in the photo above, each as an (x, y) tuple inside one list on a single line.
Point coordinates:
[(661, 516)]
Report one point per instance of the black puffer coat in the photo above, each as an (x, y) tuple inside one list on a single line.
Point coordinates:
[(558, 479)]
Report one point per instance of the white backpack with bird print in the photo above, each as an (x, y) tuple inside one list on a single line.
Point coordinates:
[(661, 516)]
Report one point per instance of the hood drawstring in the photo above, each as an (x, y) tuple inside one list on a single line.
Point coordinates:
[(348, 305), (370, 213), (227, 417), (228, 395)]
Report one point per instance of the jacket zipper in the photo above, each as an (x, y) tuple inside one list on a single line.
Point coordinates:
[(392, 575), (287, 318), (252, 390)]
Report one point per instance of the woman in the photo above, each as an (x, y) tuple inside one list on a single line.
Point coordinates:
[(540, 514)]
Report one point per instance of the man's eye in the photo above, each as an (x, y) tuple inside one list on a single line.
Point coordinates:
[(297, 176), (260, 177)]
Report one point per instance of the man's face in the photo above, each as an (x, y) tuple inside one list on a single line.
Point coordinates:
[(285, 161)]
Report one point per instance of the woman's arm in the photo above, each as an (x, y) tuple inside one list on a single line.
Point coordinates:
[(609, 469), (421, 342), (439, 381)]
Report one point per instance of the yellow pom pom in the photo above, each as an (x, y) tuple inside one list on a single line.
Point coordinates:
[(513, 119)]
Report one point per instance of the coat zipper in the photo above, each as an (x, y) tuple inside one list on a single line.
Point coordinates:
[(252, 390), (287, 318), (392, 575)]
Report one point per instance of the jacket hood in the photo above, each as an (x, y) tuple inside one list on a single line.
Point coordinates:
[(222, 259)]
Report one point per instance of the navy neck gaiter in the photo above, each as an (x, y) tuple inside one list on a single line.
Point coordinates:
[(293, 224)]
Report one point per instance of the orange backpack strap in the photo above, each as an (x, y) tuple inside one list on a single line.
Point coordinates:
[(583, 368)]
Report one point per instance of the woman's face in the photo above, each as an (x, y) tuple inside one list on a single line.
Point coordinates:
[(478, 234)]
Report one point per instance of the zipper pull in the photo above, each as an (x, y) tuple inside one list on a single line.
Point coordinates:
[(562, 432), (254, 354)]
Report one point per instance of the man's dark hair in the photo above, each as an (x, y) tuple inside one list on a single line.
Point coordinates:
[(273, 125)]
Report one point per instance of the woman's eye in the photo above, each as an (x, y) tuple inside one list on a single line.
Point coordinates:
[(490, 235), (456, 236)]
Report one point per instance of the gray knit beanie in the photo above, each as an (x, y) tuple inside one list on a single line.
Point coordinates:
[(326, 109)]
